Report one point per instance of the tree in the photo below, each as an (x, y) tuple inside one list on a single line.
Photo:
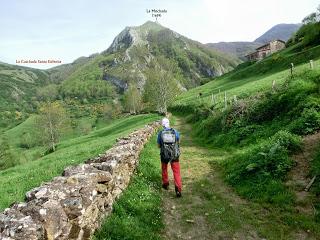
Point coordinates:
[(52, 122), (161, 87), (313, 17), (6, 158), (112, 110), (28, 140), (48, 93), (84, 127), (132, 99), (309, 33)]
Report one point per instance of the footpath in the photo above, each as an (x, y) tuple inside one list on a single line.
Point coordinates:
[(209, 208)]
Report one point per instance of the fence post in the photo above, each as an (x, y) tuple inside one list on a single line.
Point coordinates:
[(291, 69), (311, 64), (225, 99), (273, 85), (235, 98)]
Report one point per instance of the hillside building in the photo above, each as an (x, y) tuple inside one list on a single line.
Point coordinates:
[(266, 49)]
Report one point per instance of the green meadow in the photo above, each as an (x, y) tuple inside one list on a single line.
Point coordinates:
[(17, 180)]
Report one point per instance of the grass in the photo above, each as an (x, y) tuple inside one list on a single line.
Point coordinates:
[(15, 135), (16, 181), (207, 196), (137, 214), (242, 87), (258, 129), (258, 126)]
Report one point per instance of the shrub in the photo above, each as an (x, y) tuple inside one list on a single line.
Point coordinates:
[(29, 140), (257, 173), (7, 159), (307, 123), (84, 127), (288, 140)]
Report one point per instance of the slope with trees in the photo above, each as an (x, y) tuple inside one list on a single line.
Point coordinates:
[(18, 86)]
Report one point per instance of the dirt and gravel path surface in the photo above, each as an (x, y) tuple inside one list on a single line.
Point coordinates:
[(299, 177)]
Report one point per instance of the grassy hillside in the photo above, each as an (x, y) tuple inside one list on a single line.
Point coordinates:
[(61, 72), (128, 58), (17, 89), (17, 180), (89, 84), (262, 122), (249, 78), (86, 81)]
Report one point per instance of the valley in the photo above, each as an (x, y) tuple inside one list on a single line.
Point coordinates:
[(249, 132)]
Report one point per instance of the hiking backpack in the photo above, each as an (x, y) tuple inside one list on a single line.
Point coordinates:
[(169, 148)]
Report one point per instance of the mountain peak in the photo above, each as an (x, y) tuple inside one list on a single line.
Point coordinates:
[(147, 27), (134, 35), (150, 23), (282, 31)]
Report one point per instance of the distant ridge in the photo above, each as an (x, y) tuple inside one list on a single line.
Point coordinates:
[(240, 49), (281, 31)]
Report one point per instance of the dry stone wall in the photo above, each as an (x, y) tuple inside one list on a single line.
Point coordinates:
[(72, 206)]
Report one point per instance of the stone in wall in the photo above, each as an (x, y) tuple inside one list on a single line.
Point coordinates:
[(73, 205)]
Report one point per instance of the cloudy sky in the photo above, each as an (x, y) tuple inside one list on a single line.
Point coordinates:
[(67, 29)]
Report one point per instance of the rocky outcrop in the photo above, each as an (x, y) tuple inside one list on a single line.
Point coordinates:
[(72, 206), (119, 83), (123, 40)]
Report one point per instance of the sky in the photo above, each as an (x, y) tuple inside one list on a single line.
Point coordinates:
[(64, 30)]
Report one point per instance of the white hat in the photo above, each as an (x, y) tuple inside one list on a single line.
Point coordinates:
[(165, 123)]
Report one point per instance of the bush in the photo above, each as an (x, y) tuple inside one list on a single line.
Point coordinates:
[(257, 173), (288, 140), (182, 109), (84, 127), (112, 111), (29, 140), (308, 35), (7, 159), (308, 123)]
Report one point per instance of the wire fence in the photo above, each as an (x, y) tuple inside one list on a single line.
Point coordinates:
[(222, 99)]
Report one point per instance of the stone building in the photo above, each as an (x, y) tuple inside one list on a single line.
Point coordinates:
[(266, 49)]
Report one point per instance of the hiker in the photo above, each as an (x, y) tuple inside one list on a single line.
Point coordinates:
[(168, 142)]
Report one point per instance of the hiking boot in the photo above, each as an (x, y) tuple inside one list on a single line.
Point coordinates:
[(178, 192), (165, 186)]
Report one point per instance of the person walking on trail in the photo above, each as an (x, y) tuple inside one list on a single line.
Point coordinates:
[(168, 142)]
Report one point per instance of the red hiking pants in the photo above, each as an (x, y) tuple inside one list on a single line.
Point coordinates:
[(175, 166)]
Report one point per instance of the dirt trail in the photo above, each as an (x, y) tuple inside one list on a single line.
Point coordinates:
[(208, 209), (299, 177)]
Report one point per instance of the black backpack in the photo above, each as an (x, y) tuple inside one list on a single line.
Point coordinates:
[(170, 149)]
